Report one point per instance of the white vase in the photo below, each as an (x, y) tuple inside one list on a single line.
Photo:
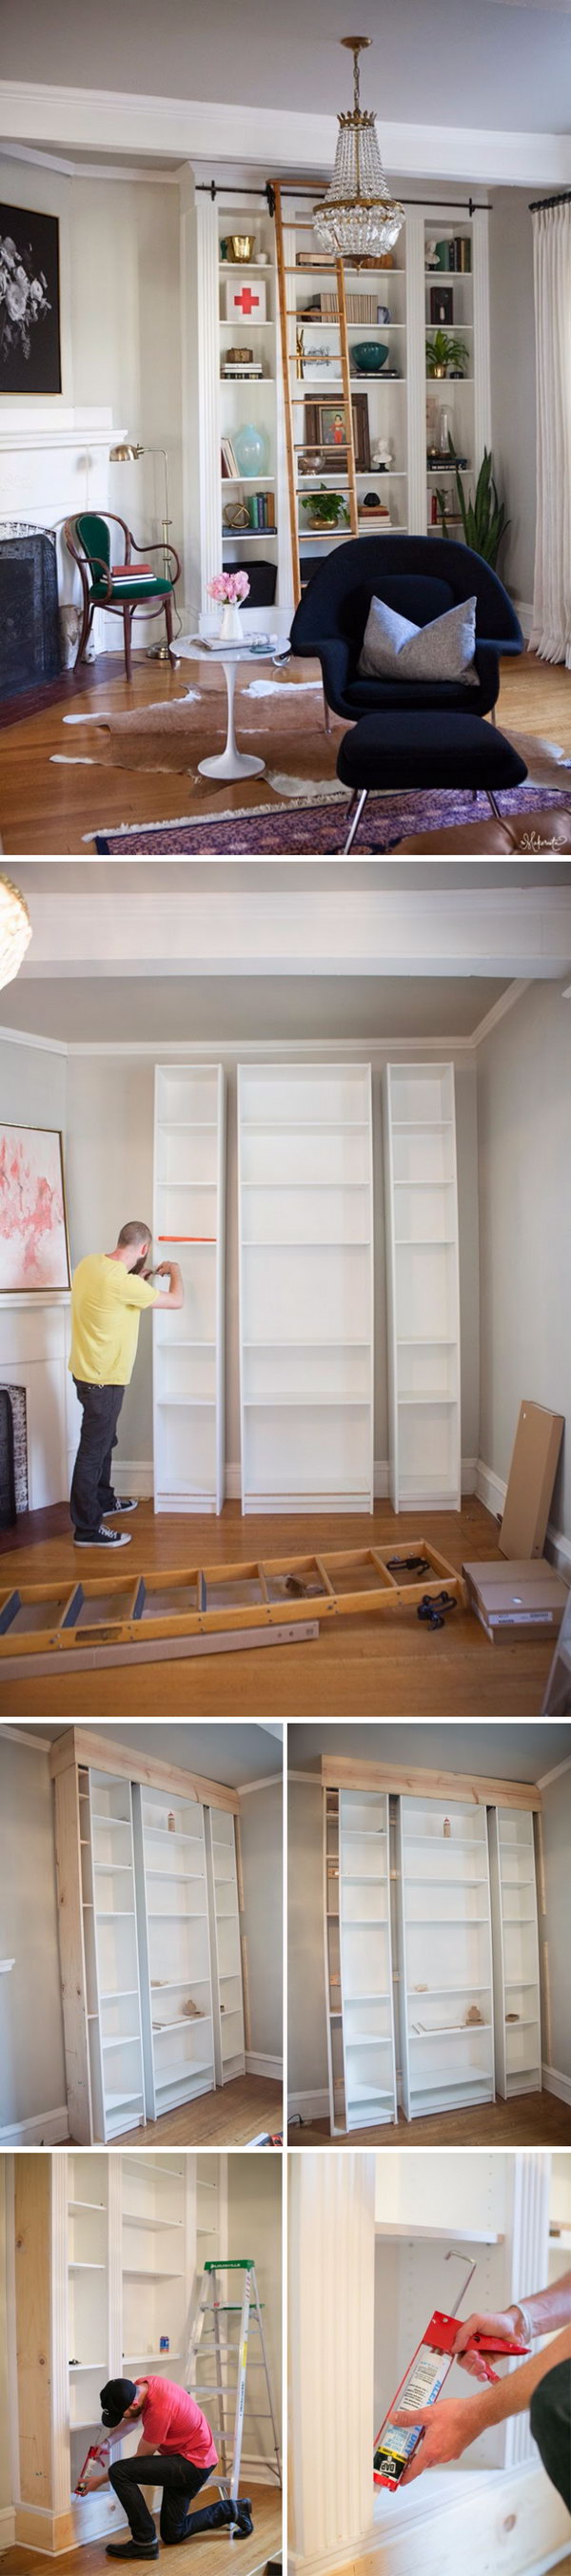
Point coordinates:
[(231, 628)]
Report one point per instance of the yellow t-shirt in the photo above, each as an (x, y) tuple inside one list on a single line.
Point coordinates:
[(106, 1302)]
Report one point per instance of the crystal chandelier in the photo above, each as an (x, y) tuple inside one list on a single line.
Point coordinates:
[(358, 216), (15, 930)]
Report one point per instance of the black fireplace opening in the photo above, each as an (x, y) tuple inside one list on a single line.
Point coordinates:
[(29, 625)]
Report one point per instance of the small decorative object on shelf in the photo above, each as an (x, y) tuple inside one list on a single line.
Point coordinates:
[(370, 356), (230, 588), (251, 448)]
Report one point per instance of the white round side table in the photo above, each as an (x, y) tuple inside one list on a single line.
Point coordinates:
[(230, 763)]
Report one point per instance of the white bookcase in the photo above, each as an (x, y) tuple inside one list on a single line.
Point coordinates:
[(359, 1976), (188, 1345), (306, 1287), (421, 1203), (174, 1942), (445, 1962), (516, 1952), (228, 2005), (111, 1953)]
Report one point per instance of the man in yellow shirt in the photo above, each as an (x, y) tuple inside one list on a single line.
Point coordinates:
[(108, 1296)]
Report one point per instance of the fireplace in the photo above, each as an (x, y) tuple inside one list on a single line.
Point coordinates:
[(29, 631)]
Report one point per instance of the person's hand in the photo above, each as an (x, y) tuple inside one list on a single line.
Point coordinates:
[(447, 2428), (501, 2322)]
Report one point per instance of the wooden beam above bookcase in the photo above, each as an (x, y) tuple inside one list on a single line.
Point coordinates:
[(78, 1748), (342, 1771)]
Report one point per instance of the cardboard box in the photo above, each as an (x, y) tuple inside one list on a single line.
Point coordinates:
[(519, 1598), (531, 1480)]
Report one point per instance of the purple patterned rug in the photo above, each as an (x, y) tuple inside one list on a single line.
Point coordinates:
[(318, 827)]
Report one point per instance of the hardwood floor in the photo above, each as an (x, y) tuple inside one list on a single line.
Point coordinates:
[(365, 1667), (211, 2550), (48, 806), (532, 2120), (228, 2118)]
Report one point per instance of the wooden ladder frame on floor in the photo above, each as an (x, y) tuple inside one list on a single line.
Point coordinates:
[(307, 1590), (291, 402)]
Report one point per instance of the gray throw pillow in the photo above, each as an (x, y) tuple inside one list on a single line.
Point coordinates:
[(394, 649)]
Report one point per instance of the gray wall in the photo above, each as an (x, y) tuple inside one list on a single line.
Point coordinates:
[(524, 1103), (32, 2067), (307, 2041), (556, 1841), (512, 335), (261, 1844), (110, 1176)]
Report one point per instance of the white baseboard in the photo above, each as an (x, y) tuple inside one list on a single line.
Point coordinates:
[(47, 2129), (310, 2106), (7, 2526), (554, 2082), (258, 2064), (492, 1490)]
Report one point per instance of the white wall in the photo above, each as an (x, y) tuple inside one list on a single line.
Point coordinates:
[(112, 1098), (524, 1105), (556, 1845), (32, 2065), (512, 338), (254, 2228), (120, 326), (261, 1845)]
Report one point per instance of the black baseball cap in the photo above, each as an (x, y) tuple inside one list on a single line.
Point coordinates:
[(115, 2397)]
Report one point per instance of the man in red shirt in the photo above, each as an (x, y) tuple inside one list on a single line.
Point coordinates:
[(176, 2452)]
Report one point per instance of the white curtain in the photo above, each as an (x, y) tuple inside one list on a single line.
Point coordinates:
[(551, 631)]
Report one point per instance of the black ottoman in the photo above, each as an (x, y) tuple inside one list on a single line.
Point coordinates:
[(426, 750)]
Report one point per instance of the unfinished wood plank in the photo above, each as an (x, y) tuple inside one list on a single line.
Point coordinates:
[(32, 2229), (343, 1771), (79, 1746), (72, 1955)]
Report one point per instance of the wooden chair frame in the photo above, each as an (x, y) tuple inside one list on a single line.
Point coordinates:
[(118, 608)]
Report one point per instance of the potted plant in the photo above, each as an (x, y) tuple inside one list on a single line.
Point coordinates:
[(443, 351), (484, 523), (326, 509)]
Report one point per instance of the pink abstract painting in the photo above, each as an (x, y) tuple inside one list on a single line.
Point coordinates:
[(33, 1233)]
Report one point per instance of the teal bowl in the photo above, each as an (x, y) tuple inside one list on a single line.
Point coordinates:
[(370, 356)]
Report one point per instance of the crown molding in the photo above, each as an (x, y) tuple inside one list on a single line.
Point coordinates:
[(200, 130)]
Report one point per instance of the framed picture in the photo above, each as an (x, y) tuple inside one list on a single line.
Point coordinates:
[(442, 304), (30, 360), (34, 1247), (326, 428)]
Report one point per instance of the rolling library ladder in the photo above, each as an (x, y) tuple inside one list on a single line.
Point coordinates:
[(225, 2363)]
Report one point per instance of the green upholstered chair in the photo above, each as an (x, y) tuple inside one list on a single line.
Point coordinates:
[(88, 538)]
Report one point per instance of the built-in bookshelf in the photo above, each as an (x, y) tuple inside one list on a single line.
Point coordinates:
[(111, 1953), (449, 292), (516, 1952), (358, 1960), (421, 1211), (306, 1287), (228, 2003), (445, 1955), (188, 1344), (174, 1943)]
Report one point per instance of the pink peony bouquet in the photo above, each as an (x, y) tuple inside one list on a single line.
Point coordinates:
[(230, 588)]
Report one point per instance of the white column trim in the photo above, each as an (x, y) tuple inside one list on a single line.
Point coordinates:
[(481, 342), (416, 371)]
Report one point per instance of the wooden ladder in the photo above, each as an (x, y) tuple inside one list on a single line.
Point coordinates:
[(294, 402)]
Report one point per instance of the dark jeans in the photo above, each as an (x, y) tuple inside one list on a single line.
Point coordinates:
[(180, 2482), (550, 2419), (91, 1489)]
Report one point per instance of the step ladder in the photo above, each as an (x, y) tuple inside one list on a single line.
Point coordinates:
[(294, 358), (219, 2364)]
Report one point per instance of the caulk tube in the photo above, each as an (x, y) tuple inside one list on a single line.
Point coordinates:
[(397, 2443)]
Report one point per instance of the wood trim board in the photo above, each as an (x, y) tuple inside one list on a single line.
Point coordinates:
[(342, 1771)]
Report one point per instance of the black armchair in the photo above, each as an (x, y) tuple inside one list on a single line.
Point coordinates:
[(420, 577)]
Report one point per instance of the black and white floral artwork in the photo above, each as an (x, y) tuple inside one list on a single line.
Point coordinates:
[(30, 360)]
